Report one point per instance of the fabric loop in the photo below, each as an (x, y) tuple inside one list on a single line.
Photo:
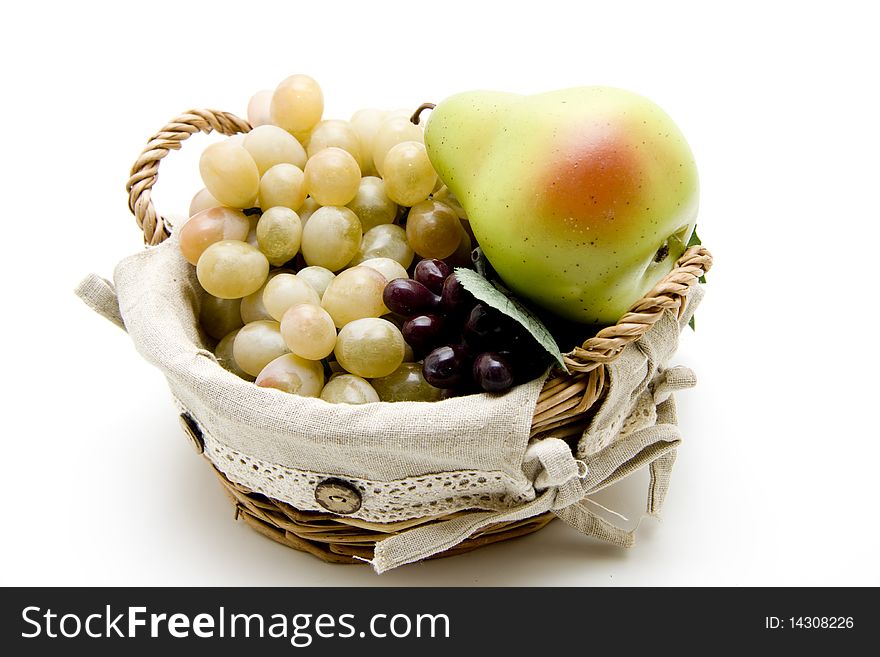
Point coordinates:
[(99, 294), (672, 380), (560, 471), (558, 465)]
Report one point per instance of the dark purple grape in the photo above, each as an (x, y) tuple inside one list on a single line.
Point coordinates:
[(493, 372), (454, 298), (407, 297), (447, 367), (432, 273), (528, 361), (424, 332), (487, 328)]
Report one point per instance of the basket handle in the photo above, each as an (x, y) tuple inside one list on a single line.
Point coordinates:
[(668, 294), (145, 170)]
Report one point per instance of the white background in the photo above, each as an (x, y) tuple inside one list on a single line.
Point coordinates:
[(777, 480)]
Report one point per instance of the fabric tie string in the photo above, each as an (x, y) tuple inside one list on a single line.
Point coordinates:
[(562, 484)]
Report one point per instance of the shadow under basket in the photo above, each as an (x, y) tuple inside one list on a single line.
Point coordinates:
[(564, 408)]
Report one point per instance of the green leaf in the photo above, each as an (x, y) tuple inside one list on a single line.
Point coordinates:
[(696, 241), (502, 300)]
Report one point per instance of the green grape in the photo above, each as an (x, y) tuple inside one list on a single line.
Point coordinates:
[(286, 290), (366, 123), (389, 268), (309, 207), (279, 232), (335, 133), (231, 269), (318, 277), (369, 347), (292, 374), (303, 137), (433, 229), (355, 293), (308, 331), (331, 237), (259, 108), (409, 356), (407, 383), (270, 145), (399, 113), (202, 201), (348, 389), (372, 205), (332, 176), (230, 174), (283, 186), (209, 227), (225, 358), (219, 317), (409, 176), (394, 130), (448, 198), (297, 104), (385, 241), (252, 306), (256, 344), (462, 255)]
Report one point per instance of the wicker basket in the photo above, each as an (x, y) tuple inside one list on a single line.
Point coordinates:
[(563, 409)]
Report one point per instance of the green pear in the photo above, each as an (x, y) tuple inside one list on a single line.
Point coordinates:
[(581, 199)]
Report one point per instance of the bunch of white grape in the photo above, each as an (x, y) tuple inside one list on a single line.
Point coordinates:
[(296, 235)]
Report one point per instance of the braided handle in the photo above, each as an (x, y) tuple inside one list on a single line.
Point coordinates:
[(146, 169), (668, 294)]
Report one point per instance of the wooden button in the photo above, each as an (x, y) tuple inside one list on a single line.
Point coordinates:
[(338, 496), (193, 432)]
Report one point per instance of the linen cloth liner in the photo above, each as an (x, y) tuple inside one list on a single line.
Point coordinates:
[(156, 299)]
